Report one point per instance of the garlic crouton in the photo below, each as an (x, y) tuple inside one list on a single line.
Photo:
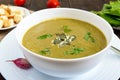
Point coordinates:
[(2, 11), (10, 16), (1, 23), (8, 23), (17, 18), (4, 17)]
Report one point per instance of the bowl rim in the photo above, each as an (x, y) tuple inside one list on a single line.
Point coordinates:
[(63, 59), (71, 59)]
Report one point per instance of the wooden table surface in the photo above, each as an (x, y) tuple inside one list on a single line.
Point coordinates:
[(41, 4)]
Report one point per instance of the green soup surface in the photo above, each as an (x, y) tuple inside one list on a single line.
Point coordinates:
[(64, 38)]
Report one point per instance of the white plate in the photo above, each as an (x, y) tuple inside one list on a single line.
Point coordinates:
[(26, 12), (117, 28), (109, 69)]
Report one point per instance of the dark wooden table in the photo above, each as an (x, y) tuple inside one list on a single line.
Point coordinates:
[(41, 4)]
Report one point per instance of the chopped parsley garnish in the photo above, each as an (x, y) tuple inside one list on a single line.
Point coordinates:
[(45, 51), (74, 50), (45, 36), (88, 36), (66, 29)]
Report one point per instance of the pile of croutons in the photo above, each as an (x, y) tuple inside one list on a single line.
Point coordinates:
[(10, 16)]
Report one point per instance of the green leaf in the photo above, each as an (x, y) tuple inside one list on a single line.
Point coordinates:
[(113, 8), (115, 21), (45, 51), (92, 39), (111, 12), (74, 50), (45, 36), (89, 37), (66, 29)]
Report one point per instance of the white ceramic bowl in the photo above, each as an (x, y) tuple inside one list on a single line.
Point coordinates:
[(63, 67)]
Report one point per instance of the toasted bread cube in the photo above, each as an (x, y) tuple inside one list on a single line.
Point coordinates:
[(4, 17), (8, 23), (2, 11), (17, 18), (11, 22), (19, 12), (4, 6), (5, 23), (14, 11), (9, 15), (1, 23), (11, 10)]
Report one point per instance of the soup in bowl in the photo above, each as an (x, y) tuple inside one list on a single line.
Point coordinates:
[(64, 42)]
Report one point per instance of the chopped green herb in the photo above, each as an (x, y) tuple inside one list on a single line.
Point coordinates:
[(74, 50), (45, 51), (92, 39), (89, 37), (66, 29), (45, 36)]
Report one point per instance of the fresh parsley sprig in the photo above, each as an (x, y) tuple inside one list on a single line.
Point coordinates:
[(45, 36), (45, 51), (74, 50), (88, 36), (66, 29)]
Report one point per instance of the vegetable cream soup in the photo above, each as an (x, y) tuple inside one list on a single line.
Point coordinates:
[(64, 38)]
